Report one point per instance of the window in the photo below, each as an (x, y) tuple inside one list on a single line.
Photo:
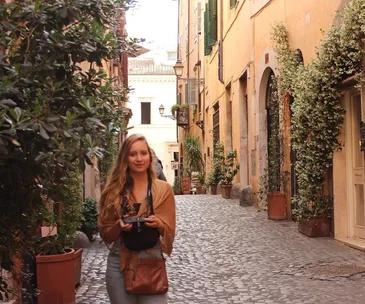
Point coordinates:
[(197, 21), (210, 26), (171, 56), (145, 113)]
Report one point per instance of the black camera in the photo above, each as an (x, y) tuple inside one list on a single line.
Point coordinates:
[(136, 221)]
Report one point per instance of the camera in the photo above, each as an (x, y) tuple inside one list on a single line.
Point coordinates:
[(136, 221)]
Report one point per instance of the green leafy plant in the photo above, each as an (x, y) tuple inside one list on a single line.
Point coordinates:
[(177, 185), (230, 168), (273, 179), (322, 206), (110, 150), (201, 178), (53, 113), (215, 174), (192, 153), (318, 115), (175, 107), (89, 224)]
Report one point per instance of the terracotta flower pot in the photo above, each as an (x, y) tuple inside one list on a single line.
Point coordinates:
[(56, 278), (78, 262), (201, 190), (226, 191), (316, 226), (276, 206), (213, 189)]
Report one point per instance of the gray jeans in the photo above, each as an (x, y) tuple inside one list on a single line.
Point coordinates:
[(115, 286)]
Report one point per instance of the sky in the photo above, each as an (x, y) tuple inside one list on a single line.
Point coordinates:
[(155, 21)]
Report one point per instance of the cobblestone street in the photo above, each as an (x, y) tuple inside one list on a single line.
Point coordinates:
[(224, 253)]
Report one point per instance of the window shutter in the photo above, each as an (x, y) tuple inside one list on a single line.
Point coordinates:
[(212, 22), (192, 89), (186, 93), (207, 48)]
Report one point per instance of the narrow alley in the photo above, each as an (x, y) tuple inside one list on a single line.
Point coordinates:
[(225, 253)]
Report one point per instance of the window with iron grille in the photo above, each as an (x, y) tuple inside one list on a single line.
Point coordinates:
[(145, 113)]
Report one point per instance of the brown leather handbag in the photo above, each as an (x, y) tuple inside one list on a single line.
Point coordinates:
[(149, 277)]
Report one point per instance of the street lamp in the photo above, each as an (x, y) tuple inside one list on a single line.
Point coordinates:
[(179, 68), (161, 109)]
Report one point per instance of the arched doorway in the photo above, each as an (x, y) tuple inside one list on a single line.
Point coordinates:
[(274, 138)]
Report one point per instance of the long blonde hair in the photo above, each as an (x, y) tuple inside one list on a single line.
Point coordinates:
[(119, 181)]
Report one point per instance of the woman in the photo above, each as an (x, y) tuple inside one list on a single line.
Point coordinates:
[(127, 184), (158, 166)]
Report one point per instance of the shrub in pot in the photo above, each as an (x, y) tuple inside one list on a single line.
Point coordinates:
[(230, 168), (53, 114), (89, 223)]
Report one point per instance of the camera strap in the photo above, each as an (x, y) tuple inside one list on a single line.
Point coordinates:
[(124, 199)]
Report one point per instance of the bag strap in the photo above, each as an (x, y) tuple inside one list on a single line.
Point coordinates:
[(149, 195), (149, 199)]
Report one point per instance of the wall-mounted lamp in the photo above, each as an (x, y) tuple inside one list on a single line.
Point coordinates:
[(179, 68), (161, 109)]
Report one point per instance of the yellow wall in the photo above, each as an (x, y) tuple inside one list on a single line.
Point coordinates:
[(245, 32)]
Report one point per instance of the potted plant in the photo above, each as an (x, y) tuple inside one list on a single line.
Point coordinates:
[(89, 222), (181, 112), (215, 174), (177, 185), (314, 218), (273, 179), (201, 187), (230, 168), (193, 157), (53, 119)]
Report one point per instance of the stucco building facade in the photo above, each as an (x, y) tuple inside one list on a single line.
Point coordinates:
[(228, 46), (153, 84)]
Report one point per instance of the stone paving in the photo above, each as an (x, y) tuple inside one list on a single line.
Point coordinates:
[(224, 253)]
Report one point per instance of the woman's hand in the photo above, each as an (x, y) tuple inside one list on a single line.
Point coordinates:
[(153, 222), (125, 227)]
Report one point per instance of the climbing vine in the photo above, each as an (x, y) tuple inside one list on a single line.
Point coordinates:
[(318, 113)]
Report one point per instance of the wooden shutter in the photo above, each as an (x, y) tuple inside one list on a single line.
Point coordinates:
[(186, 93), (192, 90), (207, 48), (216, 135), (212, 22), (145, 113), (216, 125)]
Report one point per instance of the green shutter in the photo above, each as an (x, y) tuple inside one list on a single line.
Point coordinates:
[(212, 22), (207, 48)]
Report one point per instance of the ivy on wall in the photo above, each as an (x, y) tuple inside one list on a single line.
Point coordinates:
[(318, 113)]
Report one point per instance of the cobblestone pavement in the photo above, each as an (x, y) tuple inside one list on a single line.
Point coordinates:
[(224, 253)]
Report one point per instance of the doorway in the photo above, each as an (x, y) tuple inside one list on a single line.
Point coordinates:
[(357, 168)]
